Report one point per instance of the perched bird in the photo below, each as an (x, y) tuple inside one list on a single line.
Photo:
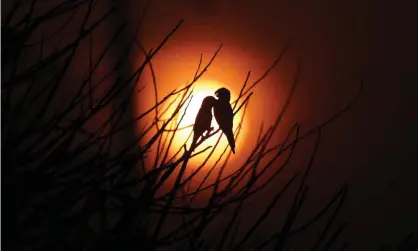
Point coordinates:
[(224, 115), (203, 119)]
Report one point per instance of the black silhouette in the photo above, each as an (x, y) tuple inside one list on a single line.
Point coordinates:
[(224, 115), (72, 182), (203, 119)]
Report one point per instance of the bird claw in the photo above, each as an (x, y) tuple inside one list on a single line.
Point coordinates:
[(208, 131)]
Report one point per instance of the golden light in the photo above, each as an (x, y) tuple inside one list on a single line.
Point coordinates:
[(188, 114), (173, 70)]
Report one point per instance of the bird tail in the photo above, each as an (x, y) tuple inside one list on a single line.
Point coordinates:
[(231, 141)]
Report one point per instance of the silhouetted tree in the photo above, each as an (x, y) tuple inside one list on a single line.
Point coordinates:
[(64, 188)]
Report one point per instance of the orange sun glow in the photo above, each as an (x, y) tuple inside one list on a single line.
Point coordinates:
[(201, 90)]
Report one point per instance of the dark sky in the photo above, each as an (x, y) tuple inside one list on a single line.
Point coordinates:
[(374, 146)]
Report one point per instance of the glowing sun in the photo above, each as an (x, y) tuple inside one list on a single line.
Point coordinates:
[(201, 90)]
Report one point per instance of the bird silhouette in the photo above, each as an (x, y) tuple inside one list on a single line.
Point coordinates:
[(203, 119), (224, 115)]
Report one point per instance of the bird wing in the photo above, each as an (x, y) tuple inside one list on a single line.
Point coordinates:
[(224, 116), (202, 122)]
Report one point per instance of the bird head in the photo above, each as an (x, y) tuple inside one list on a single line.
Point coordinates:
[(223, 94), (208, 102)]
